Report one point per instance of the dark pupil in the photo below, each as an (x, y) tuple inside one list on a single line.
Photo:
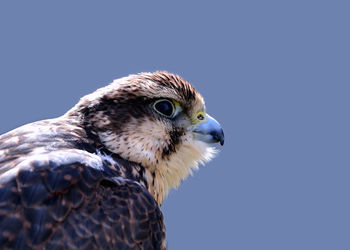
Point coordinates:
[(165, 108)]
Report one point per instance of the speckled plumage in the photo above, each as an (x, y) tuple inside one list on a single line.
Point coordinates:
[(95, 177)]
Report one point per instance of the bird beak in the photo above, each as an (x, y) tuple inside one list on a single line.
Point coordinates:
[(209, 131)]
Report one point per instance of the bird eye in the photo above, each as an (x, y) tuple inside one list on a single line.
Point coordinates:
[(164, 107)]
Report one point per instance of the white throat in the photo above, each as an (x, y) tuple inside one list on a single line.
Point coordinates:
[(170, 173)]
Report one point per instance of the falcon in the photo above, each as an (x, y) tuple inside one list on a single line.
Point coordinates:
[(95, 178)]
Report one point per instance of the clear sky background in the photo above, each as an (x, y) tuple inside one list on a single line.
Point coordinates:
[(274, 73)]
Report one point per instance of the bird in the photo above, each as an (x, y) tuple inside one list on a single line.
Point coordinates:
[(96, 177)]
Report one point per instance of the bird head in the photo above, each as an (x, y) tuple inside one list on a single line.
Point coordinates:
[(157, 120)]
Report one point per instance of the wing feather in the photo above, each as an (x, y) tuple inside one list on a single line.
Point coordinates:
[(47, 204)]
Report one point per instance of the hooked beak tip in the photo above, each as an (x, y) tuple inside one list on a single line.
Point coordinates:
[(219, 136), (222, 142)]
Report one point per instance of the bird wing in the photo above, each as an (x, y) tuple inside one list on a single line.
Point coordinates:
[(70, 202)]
